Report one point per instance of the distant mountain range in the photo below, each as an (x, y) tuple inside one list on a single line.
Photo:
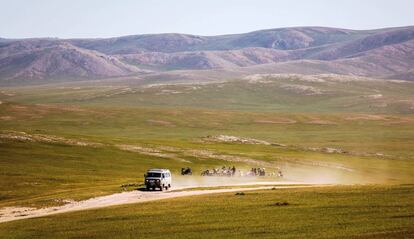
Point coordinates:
[(382, 53)]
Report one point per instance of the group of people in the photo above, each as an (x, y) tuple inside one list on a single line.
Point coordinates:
[(261, 172), (231, 171), (257, 172), (224, 171)]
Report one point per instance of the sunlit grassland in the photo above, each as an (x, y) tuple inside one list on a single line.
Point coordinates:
[(371, 121), (368, 125), (285, 94), (332, 212), (378, 150)]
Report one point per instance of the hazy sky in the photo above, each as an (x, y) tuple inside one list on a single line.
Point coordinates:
[(104, 18)]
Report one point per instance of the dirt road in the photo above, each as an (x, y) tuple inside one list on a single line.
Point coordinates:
[(16, 213)]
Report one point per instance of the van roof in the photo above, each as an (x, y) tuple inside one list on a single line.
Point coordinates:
[(158, 170)]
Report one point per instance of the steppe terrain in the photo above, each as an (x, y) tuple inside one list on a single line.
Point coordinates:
[(81, 120)]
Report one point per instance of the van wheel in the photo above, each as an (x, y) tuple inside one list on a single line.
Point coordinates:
[(162, 187), (169, 185), (166, 187)]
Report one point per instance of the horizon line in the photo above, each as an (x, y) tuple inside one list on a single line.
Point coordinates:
[(190, 34)]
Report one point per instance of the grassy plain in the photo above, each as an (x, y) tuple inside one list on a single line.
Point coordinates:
[(255, 93), (333, 212), (60, 142)]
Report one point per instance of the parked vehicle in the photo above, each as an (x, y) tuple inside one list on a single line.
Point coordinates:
[(158, 178)]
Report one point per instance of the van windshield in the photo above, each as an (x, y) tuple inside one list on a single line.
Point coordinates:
[(154, 175)]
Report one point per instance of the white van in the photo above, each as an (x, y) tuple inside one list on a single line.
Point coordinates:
[(158, 178)]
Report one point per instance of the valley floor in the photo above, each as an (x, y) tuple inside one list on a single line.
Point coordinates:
[(327, 212), (72, 147), (137, 196)]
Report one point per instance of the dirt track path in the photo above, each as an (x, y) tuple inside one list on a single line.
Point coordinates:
[(15, 213)]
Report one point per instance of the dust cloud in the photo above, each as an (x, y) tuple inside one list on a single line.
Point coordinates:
[(293, 173)]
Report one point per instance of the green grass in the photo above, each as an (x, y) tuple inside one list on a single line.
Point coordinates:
[(376, 135), (38, 173), (41, 174), (334, 212), (274, 94)]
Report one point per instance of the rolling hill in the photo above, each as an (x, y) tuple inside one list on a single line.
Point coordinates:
[(40, 60), (382, 53)]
